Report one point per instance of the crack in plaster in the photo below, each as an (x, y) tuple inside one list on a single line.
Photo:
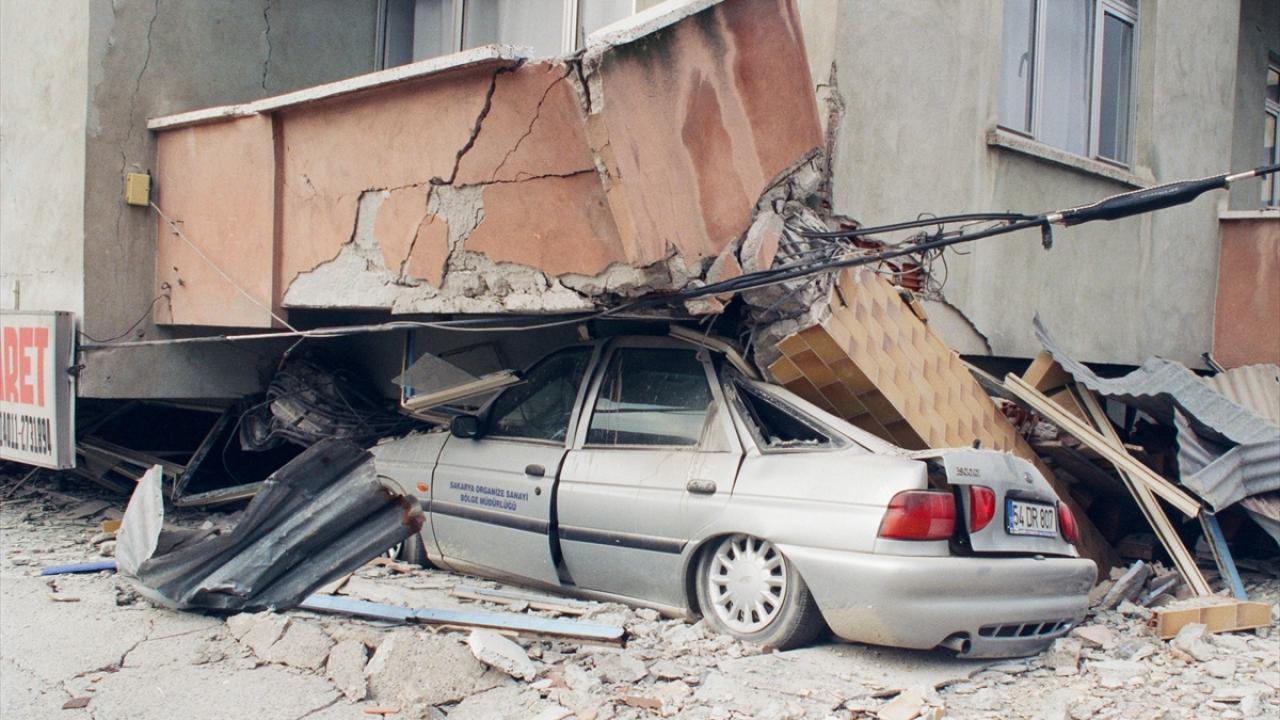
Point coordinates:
[(266, 35), (529, 131), (137, 83), (475, 128), (403, 278)]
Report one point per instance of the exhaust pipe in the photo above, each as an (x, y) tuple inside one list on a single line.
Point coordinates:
[(958, 642)]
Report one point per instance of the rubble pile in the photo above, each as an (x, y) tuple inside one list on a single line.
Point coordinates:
[(1111, 666)]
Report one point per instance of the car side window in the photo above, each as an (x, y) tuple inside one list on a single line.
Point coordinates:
[(539, 407), (651, 396)]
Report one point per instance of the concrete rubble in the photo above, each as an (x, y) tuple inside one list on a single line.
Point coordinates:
[(130, 659)]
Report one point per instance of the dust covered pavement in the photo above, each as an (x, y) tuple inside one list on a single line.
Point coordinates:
[(86, 643)]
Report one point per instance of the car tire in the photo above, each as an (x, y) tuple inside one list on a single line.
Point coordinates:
[(783, 614), (411, 551)]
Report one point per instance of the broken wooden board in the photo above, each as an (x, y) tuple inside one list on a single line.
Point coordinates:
[(1217, 614), (875, 364), (1117, 456)]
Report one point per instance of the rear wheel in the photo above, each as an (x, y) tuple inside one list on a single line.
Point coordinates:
[(747, 589)]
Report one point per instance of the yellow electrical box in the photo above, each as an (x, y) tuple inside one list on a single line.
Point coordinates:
[(137, 189)]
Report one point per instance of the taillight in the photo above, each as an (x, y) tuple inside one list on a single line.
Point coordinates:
[(1067, 524), (982, 507), (919, 515)]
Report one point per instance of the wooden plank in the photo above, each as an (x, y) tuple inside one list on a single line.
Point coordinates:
[(1090, 437), (1045, 374), (1219, 615), (1151, 509)]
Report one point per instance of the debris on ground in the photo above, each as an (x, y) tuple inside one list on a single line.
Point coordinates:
[(1112, 666)]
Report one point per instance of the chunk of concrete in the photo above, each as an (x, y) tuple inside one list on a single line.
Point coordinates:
[(1128, 585), (619, 668), (498, 652), (418, 670), (1192, 639), (1097, 636), (265, 630), (1114, 674), (345, 668), (303, 645), (904, 707), (1063, 656)]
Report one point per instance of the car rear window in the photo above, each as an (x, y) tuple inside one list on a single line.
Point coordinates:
[(777, 427)]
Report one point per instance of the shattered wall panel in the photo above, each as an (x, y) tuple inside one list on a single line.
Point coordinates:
[(876, 364), (218, 181), (512, 185)]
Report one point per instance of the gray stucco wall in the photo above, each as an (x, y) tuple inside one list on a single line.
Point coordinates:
[(920, 81), (157, 57), (1259, 38), (43, 77)]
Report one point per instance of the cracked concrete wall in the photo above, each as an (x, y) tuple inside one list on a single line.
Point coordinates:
[(520, 186), (154, 57), (43, 77)]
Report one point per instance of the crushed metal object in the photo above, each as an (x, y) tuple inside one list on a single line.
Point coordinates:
[(308, 401), (318, 518)]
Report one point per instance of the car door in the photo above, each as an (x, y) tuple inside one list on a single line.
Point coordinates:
[(653, 462), (491, 499)]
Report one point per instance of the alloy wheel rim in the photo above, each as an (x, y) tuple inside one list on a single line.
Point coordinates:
[(748, 582)]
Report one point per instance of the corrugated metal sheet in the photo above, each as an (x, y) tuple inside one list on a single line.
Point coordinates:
[(1224, 476), (1226, 452), (1159, 386), (1253, 387)]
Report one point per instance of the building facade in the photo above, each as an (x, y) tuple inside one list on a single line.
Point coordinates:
[(928, 107)]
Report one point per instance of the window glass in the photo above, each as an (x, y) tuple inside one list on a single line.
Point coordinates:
[(595, 14), (432, 23), (530, 23), (777, 428), (1273, 84), (540, 406), (1117, 72), (651, 397), (1064, 96), (1017, 64)]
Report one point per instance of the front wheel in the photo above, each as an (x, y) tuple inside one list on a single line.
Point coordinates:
[(747, 589)]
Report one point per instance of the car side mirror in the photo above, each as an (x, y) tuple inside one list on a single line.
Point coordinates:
[(465, 426)]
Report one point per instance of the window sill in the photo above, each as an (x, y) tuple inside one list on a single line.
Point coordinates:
[(1267, 213), (999, 137)]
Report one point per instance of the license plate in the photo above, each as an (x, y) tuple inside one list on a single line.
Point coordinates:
[(1029, 518)]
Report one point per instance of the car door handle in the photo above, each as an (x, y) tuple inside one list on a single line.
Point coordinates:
[(535, 470), (701, 487)]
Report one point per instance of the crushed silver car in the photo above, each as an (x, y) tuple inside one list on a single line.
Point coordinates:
[(656, 471)]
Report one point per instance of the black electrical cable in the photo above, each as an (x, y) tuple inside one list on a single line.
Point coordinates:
[(919, 222)]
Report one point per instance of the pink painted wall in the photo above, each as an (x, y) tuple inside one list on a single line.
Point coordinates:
[(684, 129), (1246, 328), (217, 181)]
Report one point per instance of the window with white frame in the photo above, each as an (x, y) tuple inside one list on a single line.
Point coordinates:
[(414, 30), (1271, 138), (1067, 74)]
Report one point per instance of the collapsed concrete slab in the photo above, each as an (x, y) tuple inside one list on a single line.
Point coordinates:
[(488, 181)]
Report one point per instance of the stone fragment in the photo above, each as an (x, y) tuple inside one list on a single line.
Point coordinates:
[(240, 624), (1220, 668), (616, 668), (267, 628), (1128, 585), (498, 652), (1113, 674), (1192, 639), (579, 680), (345, 668), (1063, 656), (1097, 636), (303, 645), (904, 707), (666, 670), (1250, 706), (418, 670), (1087, 708)]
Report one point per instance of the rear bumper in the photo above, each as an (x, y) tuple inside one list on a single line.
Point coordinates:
[(1005, 607)]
